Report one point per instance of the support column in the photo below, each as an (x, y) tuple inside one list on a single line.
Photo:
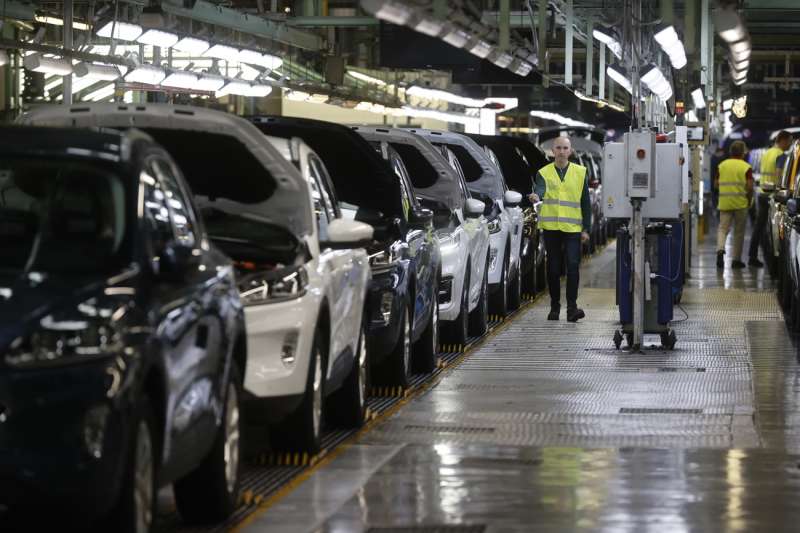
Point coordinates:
[(568, 45), (704, 74), (589, 55), (505, 25), (690, 27), (601, 74), (542, 14), (667, 11), (611, 86), (67, 80)]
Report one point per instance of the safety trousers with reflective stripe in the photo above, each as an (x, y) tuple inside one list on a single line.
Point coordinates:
[(561, 206), (733, 184)]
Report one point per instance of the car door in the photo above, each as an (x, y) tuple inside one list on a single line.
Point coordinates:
[(344, 281), (515, 216), (188, 325)]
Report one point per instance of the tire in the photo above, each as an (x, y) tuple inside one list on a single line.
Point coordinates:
[(398, 364), (529, 276), (302, 430), (349, 404), (210, 493), (479, 317), (499, 301), (426, 349), (515, 290), (458, 330), (135, 509)]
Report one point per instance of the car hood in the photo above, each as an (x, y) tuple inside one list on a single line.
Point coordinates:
[(267, 186), (30, 300)]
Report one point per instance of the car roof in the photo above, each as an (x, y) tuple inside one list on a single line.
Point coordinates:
[(91, 143), (288, 205), (446, 188)]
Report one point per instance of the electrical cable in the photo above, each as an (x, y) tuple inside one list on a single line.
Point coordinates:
[(685, 317)]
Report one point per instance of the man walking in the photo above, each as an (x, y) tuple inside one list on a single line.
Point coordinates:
[(770, 169), (735, 181), (565, 219)]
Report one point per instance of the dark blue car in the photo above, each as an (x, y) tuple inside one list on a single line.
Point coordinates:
[(405, 258), (121, 335)]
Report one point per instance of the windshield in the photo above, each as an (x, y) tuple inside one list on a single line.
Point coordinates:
[(60, 216)]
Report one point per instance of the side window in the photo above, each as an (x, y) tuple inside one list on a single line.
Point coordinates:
[(318, 167), (402, 174), (322, 202), (180, 208), (155, 213)]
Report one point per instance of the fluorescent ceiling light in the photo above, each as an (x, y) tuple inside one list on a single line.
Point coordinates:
[(728, 24), (503, 60), (100, 94), (236, 87), (481, 49), (619, 75), (363, 77), (256, 58), (48, 65), (436, 94), (99, 72), (699, 99), (148, 74), (740, 65), (726, 104), (181, 80), (429, 27), (456, 37), (209, 83), (561, 119), (3, 58), (521, 68), (668, 39), (55, 21), (394, 12), (160, 38), (654, 79), (79, 84), (192, 46), (608, 37), (223, 51), (122, 30)]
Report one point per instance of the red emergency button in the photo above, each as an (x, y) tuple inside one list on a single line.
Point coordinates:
[(640, 153)]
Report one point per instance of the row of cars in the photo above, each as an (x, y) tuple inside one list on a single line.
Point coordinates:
[(171, 271), (781, 242)]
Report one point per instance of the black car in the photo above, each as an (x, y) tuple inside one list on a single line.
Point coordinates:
[(121, 334), (405, 257), (520, 160)]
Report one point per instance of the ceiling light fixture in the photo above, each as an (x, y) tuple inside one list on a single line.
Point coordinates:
[(654, 79), (122, 30), (365, 78), (456, 37), (97, 71), (728, 24), (160, 38), (669, 41), (3, 58), (608, 36), (224, 52), (55, 21), (147, 74), (698, 98), (192, 46), (620, 76), (561, 119), (209, 83), (180, 80), (429, 27), (47, 65)]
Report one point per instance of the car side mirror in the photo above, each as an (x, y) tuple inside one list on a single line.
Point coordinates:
[(420, 218), (512, 199), (474, 208), (791, 207), (176, 261), (344, 234)]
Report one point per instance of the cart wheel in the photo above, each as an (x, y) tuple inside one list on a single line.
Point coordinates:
[(617, 339)]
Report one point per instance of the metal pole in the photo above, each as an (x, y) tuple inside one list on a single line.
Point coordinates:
[(589, 55), (704, 67), (505, 24), (542, 32), (67, 80), (568, 45), (601, 73)]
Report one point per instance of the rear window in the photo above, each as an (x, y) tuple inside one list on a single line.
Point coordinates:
[(421, 172), (217, 166), (472, 170)]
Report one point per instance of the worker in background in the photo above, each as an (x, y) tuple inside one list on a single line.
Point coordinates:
[(771, 168), (735, 181), (717, 156), (565, 219)]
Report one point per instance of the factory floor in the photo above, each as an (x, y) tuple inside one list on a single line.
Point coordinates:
[(545, 426)]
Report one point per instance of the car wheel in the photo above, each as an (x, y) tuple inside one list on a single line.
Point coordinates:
[(426, 349), (134, 511), (349, 404), (479, 317), (515, 289), (458, 330), (398, 364), (302, 430), (210, 493), (529, 273), (499, 303)]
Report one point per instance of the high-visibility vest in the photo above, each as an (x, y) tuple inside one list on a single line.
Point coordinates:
[(769, 168), (561, 205), (733, 184)]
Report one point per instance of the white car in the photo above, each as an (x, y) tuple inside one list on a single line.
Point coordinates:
[(485, 182), (460, 227), (302, 284)]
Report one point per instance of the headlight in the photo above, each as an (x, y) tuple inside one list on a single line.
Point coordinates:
[(63, 342), (494, 225), (384, 259), (273, 286)]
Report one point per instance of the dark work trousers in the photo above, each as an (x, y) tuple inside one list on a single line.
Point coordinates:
[(760, 227), (560, 245)]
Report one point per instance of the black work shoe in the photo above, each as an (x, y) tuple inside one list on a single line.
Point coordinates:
[(554, 312), (754, 262), (721, 259), (573, 315), (737, 264)]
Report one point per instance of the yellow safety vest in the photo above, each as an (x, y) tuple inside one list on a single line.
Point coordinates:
[(769, 168), (561, 205), (733, 184)]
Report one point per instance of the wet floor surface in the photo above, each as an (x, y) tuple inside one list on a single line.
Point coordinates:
[(547, 427)]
